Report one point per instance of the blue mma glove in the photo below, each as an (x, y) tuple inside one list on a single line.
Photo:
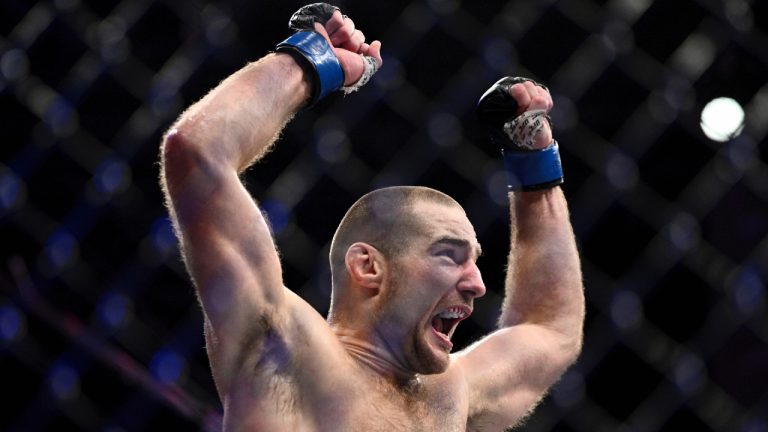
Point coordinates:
[(313, 49), (527, 168)]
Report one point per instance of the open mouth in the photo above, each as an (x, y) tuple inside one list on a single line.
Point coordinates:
[(446, 321)]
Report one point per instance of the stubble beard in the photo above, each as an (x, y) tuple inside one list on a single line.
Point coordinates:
[(419, 354)]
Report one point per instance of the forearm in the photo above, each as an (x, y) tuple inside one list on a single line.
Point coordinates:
[(236, 123), (544, 283), (214, 140)]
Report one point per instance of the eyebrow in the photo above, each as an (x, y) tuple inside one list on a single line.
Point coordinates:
[(453, 241)]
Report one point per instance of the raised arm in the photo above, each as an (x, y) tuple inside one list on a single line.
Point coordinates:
[(226, 242), (544, 291), (540, 329)]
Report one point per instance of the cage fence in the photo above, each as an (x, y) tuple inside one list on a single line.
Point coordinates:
[(99, 325)]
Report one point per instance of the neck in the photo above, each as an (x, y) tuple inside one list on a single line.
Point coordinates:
[(377, 358)]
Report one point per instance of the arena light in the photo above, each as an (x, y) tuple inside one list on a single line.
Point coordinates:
[(722, 119)]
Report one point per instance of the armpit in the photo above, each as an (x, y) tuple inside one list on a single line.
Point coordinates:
[(274, 371)]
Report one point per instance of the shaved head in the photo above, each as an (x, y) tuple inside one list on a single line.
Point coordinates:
[(386, 220)]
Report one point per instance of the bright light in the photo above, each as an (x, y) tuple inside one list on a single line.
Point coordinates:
[(722, 119)]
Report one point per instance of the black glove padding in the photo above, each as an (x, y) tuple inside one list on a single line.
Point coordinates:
[(306, 17), (497, 107)]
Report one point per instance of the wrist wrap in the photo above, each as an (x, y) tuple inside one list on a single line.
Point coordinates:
[(369, 68), (328, 75), (533, 170)]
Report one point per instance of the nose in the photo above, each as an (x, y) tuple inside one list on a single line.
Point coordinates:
[(471, 282)]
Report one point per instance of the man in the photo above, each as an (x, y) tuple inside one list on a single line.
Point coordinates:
[(403, 265)]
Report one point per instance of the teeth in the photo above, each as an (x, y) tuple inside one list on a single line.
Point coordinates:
[(452, 313)]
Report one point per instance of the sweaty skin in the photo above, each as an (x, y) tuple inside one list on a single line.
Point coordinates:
[(280, 366)]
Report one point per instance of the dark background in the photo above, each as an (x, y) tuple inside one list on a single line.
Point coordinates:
[(99, 327)]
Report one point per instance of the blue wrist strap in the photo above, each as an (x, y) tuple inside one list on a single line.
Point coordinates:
[(312, 46), (533, 170)]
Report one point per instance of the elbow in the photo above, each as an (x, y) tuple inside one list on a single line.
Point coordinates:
[(571, 345), (178, 150), (183, 154), (177, 163), (566, 345), (562, 354), (575, 349), (187, 166)]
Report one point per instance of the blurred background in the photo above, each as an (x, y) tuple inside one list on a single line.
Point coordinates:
[(99, 326)]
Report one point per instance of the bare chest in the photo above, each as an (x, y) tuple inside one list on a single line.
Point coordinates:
[(389, 413), (348, 402)]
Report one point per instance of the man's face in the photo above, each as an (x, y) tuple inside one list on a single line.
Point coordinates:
[(432, 287)]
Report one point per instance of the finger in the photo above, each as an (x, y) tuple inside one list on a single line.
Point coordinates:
[(364, 48), (335, 22), (374, 50), (532, 89), (343, 33), (321, 30), (355, 42), (547, 98), (521, 95), (540, 99)]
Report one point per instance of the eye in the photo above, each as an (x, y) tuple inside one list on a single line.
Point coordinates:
[(450, 253)]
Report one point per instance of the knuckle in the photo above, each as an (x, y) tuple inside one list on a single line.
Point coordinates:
[(335, 22), (342, 34)]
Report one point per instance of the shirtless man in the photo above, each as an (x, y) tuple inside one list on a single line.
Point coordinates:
[(404, 274)]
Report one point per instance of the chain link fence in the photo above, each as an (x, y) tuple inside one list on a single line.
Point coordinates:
[(99, 326)]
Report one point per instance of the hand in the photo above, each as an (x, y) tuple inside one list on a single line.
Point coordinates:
[(348, 44), (514, 109), (529, 97)]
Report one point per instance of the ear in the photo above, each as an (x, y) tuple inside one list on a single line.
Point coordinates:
[(364, 265)]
